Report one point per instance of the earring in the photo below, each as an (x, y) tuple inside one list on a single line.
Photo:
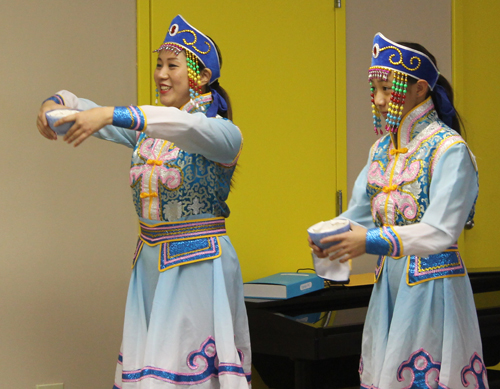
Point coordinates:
[(381, 74), (376, 113), (156, 101), (194, 79), (398, 95)]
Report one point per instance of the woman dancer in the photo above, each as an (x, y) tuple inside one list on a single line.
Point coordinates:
[(409, 206), (185, 319)]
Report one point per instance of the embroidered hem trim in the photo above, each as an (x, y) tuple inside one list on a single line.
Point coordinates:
[(477, 370), (204, 360)]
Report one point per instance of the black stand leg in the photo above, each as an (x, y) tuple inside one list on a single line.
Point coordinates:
[(303, 379)]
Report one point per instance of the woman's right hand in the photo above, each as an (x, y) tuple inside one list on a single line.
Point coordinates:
[(41, 120), (316, 250)]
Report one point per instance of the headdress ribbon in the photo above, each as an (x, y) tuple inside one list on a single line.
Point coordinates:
[(444, 105), (218, 106)]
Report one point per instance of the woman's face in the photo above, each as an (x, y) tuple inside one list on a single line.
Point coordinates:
[(171, 78), (382, 96)]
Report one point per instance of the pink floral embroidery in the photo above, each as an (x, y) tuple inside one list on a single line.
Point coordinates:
[(156, 153), (393, 194)]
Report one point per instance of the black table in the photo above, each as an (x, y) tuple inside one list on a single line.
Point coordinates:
[(314, 341)]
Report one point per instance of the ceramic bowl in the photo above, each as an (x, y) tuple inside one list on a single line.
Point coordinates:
[(56, 114), (323, 229)]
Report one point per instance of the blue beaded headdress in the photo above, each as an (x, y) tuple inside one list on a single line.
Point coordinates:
[(198, 47), (403, 61)]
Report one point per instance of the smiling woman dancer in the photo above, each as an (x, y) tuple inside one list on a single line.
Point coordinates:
[(412, 201), (185, 319)]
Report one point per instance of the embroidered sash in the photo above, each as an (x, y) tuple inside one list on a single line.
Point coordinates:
[(420, 269), (182, 243)]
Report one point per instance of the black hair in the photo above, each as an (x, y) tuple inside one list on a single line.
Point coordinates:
[(215, 85), (456, 121)]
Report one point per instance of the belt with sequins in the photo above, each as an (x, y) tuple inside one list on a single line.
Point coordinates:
[(155, 234)]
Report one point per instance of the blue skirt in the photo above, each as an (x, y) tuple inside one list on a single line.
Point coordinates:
[(421, 336), (185, 326)]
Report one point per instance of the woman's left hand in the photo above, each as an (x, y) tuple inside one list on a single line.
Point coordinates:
[(86, 123), (351, 244)]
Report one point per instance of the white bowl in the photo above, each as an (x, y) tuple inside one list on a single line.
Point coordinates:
[(56, 114), (323, 229)]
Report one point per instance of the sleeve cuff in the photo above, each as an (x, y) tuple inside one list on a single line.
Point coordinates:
[(131, 117), (384, 241), (58, 99)]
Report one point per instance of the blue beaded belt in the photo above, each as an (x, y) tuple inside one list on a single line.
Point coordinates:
[(184, 242), (449, 263)]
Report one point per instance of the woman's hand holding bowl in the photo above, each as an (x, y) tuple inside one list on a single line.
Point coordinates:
[(86, 123)]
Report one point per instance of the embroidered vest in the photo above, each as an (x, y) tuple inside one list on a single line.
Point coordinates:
[(399, 180), (169, 184)]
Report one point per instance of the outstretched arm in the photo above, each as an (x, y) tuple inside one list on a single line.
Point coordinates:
[(86, 121), (216, 139)]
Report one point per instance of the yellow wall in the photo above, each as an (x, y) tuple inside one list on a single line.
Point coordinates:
[(476, 57), (279, 69), (476, 79)]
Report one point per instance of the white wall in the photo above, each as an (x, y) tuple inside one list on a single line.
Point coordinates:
[(67, 227)]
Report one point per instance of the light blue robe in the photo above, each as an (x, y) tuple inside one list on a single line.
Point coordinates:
[(421, 329), (185, 325)]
